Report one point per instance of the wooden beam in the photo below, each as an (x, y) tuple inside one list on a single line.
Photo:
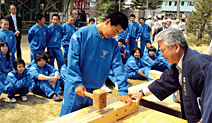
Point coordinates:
[(111, 113), (154, 74)]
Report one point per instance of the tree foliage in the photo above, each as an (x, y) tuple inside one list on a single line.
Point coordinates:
[(142, 4), (153, 4), (138, 4), (198, 23), (108, 6)]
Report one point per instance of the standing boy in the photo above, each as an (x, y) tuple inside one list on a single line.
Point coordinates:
[(133, 33), (145, 36), (54, 37), (9, 37), (68, 30), (37, 36), (92, 53)]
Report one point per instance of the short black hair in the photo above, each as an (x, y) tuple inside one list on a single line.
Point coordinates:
[(152, 48), (121, 41), (142, 18), (134, 50), (2, 43), (91, 19), (38, 17), (17, 62), (132, 15), (2, 20), (148, 42), (182, 20), (39, 56), (56, 16), (48, 55), (117, 18)]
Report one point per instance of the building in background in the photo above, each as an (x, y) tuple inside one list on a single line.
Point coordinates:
[(169, 8)]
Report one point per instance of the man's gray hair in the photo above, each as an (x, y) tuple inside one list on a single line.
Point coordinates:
[(172, 36)]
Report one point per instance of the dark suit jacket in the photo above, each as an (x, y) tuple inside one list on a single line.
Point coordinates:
[(194, 70), (156, 32), (12, 27)]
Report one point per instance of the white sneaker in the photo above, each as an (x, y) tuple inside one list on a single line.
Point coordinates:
[(116, 86), (24, 98), (104, 87), (13, 100)]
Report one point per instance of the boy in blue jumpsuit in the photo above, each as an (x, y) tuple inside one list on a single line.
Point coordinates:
[(18, 81), (92, 53), (8, 36), (135, 68), (124, 53), (133, 33), (1, 87), (148, 44), (54, 37), (63, 73), (68, 30), (37, 36), (6, 63), (122, 36), (45, 78), (145, 36)]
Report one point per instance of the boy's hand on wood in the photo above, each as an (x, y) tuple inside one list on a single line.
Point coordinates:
[(126, 99)]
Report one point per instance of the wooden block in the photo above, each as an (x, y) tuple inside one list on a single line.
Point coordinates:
[(154, 74), (111, 113), (146, 115)]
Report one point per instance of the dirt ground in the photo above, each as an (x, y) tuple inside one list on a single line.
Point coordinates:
[(39, 109)]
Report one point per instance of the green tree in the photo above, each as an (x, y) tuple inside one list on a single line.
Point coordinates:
[(108, 6), (138, 4), (154, 3), (198, 23)]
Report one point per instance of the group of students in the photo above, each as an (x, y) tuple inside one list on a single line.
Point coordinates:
[(17, 80)]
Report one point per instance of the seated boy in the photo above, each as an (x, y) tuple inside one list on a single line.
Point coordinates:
[(123, 51), (150, 59), (148, 44), (45, 78), (18, 81)]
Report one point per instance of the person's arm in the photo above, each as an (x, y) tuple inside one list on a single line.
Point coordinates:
[(121, 77), (207, 98), (140, 32), (30, 34), (73, 70), (15, 82)]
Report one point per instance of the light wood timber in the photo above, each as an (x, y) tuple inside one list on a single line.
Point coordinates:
[(110, 114), (154, 74)]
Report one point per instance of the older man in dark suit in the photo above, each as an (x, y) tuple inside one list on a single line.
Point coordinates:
[(15, 25), (190, 73)]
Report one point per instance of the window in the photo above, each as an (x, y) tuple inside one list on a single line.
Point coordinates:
[(170, 3), (191, 3), (182, 3), (165, 3), (175, 3)]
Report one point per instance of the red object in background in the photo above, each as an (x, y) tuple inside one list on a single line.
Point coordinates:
[(184, 18)]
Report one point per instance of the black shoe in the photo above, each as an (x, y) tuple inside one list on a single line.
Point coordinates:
[(55, 97), (60, 96)]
